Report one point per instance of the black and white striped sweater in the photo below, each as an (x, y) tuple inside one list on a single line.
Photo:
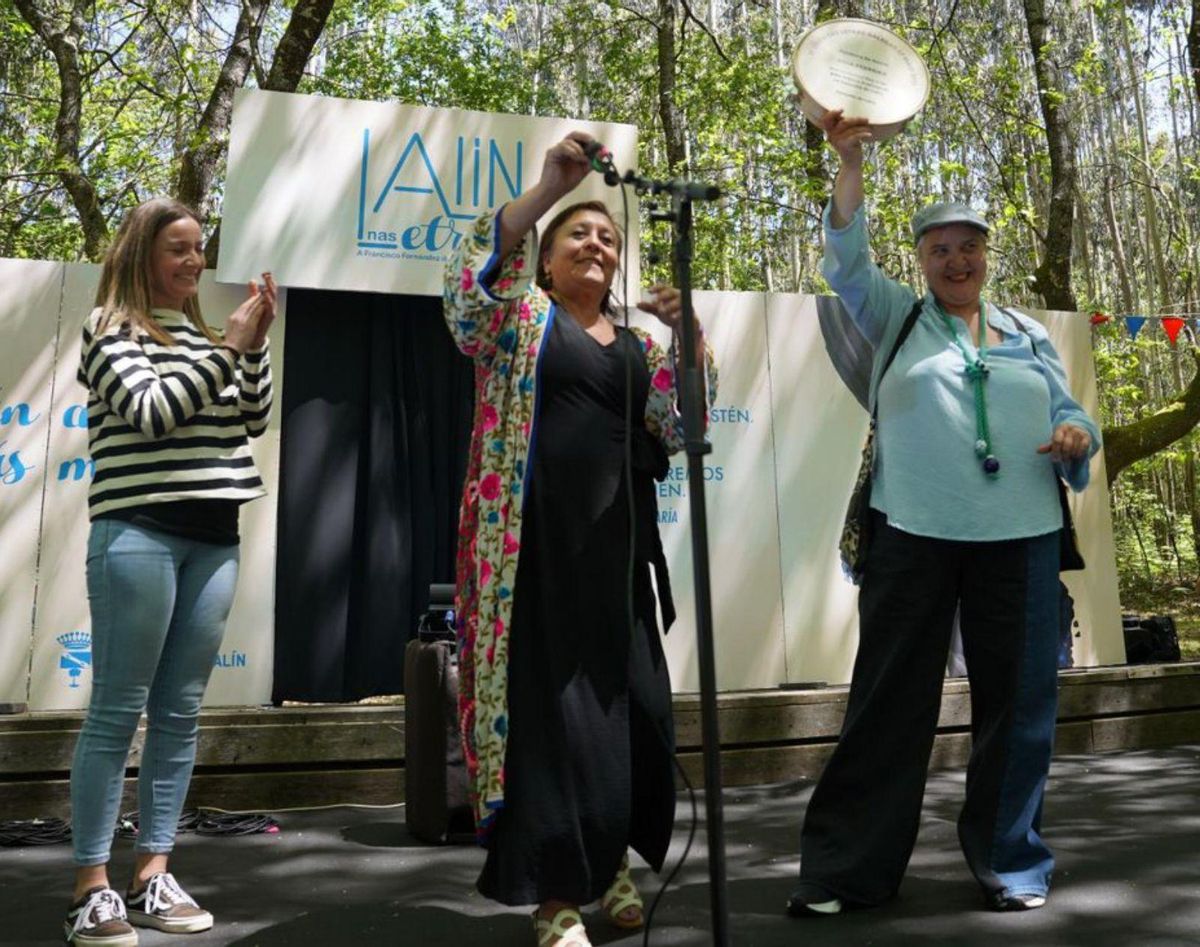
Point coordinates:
[(171, 422)]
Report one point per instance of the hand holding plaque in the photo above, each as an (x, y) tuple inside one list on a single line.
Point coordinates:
[(846, 135), (862, 69)]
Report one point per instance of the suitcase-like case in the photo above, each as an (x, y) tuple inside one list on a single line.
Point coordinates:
[(437, 808)]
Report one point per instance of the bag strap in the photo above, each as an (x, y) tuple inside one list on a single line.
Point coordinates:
[(909, 321), (1021, 327)]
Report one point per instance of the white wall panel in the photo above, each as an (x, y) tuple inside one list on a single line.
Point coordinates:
[(786, 438), (243, 673), (740, 502), (29, 308)]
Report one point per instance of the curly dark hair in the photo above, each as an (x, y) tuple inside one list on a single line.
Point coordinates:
[(608, 305)]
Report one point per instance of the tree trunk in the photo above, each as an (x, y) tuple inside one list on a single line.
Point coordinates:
[(1106, 146), (1150, 206), (1085, 253), (1193, 45), (199, 163), (63, 43), (1191, 92), (1137, 532), (777, 32), (1118, 244), (1187, 288), (1131, 442), (296, 45), (668, 109), (1052, 278), (538, 25)]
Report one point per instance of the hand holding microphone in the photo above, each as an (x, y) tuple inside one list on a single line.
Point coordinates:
[(601, 160), (566, 164)]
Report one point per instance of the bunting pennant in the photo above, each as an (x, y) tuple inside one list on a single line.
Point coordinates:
[(1098, 318), (1171, 326), (1134, 325)]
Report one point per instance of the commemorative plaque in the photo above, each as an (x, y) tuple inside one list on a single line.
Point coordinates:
[(862, 68)]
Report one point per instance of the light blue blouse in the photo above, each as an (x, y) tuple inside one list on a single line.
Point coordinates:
[(927, 479)]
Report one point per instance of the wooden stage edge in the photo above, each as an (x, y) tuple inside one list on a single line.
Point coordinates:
[(269, 758)]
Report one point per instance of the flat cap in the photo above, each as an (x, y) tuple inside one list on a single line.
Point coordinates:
[(941, 214)]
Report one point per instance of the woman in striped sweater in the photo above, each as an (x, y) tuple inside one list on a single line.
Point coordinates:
[(171, 407)]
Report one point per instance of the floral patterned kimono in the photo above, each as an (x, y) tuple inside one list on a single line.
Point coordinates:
[(501, 319)]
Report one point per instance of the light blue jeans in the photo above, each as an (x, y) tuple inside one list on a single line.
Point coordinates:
[(159, 604)]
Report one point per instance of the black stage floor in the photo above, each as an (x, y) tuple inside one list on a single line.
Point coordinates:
[(1125, 826)]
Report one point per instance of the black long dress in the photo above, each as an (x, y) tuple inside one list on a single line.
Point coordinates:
[(588, 769)]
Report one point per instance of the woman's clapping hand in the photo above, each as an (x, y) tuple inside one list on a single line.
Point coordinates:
[(246, 328)]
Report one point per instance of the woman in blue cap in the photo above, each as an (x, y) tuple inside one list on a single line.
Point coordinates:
[(975, 427)]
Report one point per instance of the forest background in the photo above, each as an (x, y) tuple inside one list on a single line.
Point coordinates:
[(1074, 124)]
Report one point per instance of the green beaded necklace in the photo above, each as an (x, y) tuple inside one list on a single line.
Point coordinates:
[(977, 371)]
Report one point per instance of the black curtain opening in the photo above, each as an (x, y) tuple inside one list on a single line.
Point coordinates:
[(376, 420)]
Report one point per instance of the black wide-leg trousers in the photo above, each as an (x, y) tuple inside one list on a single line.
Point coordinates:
[(861, 823)]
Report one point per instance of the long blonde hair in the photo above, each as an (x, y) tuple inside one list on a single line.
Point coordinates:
[(125, 296)]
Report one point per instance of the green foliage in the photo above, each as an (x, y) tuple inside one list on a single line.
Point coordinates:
[(146, 74), (148, 71), (442, 55)]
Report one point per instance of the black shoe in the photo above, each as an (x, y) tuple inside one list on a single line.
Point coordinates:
[(800, 905), (1017, 902)]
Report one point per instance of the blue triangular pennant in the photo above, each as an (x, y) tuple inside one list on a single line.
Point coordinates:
[(1134, 325)]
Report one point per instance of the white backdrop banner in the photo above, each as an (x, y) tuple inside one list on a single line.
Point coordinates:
[(29, 317), (62, 631), (819, 436), (45, 628), (343, 194), (786, 437), (739, 489), (1100, 638)]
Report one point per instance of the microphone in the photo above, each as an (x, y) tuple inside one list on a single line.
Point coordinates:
[(600, 158), (696, 191)]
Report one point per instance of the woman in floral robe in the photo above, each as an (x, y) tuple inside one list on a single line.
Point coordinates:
[(565, 701)]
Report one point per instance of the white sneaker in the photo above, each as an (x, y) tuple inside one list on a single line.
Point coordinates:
[(165, 906)]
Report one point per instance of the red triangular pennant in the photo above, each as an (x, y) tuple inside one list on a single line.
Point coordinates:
[(1172, 326), (1098, 318)]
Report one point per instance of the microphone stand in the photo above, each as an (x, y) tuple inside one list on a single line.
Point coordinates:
[(682, 194)]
